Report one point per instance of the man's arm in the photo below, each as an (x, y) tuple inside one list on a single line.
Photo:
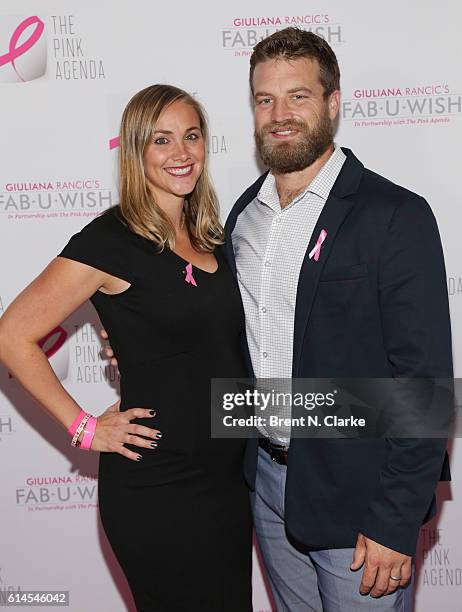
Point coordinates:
[(417, 337)]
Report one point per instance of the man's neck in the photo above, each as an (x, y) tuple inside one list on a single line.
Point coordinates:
[(290, 185)]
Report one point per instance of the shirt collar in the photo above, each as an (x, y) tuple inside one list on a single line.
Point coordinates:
[(320, 186)]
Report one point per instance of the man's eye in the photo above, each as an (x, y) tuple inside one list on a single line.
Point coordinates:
[(264, 101), (300, 97), (162, 140)]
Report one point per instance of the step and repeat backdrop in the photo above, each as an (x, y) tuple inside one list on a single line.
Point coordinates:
[(67, 69)]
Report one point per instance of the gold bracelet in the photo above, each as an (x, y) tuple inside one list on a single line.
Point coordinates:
[(79, 429)]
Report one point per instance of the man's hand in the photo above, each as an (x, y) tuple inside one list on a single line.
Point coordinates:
[(107, 350), (381, 566)]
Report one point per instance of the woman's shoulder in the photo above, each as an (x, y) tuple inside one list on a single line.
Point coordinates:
[(109, 223), (102, 244)]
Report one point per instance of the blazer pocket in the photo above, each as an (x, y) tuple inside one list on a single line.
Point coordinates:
[(341, 273)]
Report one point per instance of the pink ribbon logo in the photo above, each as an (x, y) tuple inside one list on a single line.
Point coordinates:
[(59, 339), (16, 51), (114, 143), (189, 275), (317, 249)]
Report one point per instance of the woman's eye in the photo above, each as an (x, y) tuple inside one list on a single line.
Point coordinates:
[(193, 137), (162, 140)]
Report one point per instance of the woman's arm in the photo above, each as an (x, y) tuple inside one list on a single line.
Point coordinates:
[(59, 290)]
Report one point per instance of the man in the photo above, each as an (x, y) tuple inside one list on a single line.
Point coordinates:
[(342, 275)]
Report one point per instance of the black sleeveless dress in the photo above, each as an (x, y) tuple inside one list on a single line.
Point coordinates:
[(178, 520)]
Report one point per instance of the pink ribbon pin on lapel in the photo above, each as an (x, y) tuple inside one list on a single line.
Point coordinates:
[(317, 249), (189, 275)]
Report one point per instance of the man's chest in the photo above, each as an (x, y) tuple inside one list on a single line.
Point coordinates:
[(270, 247)]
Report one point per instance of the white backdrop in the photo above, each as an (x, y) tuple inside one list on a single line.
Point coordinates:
[(67, 69)]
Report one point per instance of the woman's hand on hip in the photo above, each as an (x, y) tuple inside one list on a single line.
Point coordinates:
[(114, 429)]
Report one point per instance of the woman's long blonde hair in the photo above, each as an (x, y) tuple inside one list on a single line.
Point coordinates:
[(140, 211)]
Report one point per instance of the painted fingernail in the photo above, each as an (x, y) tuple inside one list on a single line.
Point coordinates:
[(153, 444), (152, 412), (158, 435), (139, 457)]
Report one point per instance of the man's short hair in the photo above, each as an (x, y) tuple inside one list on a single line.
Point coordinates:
[(293, 43)]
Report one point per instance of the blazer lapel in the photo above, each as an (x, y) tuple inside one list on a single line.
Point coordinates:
[(244, 200), (335, 210), (229, 253)]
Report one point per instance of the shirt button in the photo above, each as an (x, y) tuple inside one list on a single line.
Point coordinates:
[(263, 309), (267, 263), (265, 355)]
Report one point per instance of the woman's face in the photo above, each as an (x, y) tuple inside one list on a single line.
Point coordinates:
[(174, 157)]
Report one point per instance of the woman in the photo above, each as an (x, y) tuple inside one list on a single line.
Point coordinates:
[(172, 500)]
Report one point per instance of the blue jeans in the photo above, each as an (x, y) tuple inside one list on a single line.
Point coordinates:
[(320, 580)]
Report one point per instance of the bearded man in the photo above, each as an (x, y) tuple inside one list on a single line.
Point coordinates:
[(341, 274)]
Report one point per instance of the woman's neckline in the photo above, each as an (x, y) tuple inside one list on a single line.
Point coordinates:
[(116, 212), (186, 261)]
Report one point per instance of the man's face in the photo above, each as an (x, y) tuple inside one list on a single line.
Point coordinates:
[(293, 120)]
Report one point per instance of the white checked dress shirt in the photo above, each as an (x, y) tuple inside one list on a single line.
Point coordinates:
[(269, 245)]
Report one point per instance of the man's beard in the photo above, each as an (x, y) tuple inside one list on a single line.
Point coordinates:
[(285, 157)]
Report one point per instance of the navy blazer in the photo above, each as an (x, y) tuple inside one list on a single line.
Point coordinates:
[(375, 304)]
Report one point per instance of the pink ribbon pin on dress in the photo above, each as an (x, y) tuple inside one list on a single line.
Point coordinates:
[(189, 275), (317, 249)]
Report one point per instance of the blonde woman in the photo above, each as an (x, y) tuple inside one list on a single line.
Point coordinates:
[(172, 500)]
